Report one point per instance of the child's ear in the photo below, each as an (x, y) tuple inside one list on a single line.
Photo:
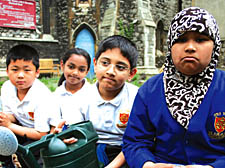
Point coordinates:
[(95, 63), (132, 73), (61, 65), (37, 73)]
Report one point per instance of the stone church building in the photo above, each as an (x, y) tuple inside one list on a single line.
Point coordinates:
[(57, 25)]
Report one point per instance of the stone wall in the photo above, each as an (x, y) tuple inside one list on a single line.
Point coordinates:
[(45, 49), (62, 25), (67, 20), (81, 16), (221, 63), (165, 10), (10, 37), (128, 14), (216, 8), (24, 33)]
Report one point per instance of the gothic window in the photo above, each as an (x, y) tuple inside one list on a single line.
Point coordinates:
[(48, 16), (179, 5), (160, 1), (81, 3), (160, 38)]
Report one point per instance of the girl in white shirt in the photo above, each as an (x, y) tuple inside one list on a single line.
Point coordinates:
[(73, 87)]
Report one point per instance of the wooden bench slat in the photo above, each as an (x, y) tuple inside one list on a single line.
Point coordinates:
[(47, 66)]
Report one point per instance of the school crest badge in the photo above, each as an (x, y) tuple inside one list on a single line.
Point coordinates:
[(219, 124), (31, 115), (30, 112), (123, 118)]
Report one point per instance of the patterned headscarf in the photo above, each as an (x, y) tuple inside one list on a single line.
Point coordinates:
[(184, 93)]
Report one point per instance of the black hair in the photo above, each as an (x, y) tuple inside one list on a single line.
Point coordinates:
[(126, 46), (23, 52), (77, 51)]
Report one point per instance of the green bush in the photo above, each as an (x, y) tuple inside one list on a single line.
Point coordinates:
[(126, 30), (52, 82), (93, 80), (2, 80), (137, 80)]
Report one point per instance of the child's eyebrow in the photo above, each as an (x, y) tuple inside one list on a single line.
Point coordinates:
[(71, 63), (82, 66), (119, 62), (14, 66), (123, 63), (25, 66), (104, 58)]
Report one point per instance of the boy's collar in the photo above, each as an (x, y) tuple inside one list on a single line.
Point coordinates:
[(115, 101)]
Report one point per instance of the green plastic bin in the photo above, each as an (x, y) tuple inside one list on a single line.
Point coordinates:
[(56, 154)]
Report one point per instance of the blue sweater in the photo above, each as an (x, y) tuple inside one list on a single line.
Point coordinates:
[(154, 135)]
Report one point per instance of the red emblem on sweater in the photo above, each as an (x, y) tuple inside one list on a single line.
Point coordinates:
[(219, 124), (124, 117)]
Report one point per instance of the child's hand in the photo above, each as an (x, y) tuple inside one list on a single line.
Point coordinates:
[(198, 166), (160, 165), (70, 140), (58, 129), (4, 120)]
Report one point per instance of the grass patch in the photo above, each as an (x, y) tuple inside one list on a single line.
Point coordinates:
[(52, 82), (2, 80), (137, 80)]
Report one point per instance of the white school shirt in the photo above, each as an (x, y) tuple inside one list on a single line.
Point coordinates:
[(69, 105), (110, 118), (34, 110)]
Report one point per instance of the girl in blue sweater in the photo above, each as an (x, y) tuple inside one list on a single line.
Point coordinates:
[(178, 116)]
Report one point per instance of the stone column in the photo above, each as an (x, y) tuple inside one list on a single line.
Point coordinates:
[(108, 25), (149, 39)]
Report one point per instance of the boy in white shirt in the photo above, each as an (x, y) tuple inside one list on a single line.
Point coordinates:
[(110, 100), (26, 102), (112, 97)]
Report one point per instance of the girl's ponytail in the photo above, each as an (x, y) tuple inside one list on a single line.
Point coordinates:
[(62, 78)]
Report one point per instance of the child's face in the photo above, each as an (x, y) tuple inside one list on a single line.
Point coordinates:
[(75, 69), (22, 74), (112, 70), (192, 53)]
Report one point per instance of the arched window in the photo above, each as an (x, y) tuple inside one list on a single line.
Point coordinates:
[(179, 5), (160, 1), (160, 37), (48, 16), (86, 40), (81, 3)]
